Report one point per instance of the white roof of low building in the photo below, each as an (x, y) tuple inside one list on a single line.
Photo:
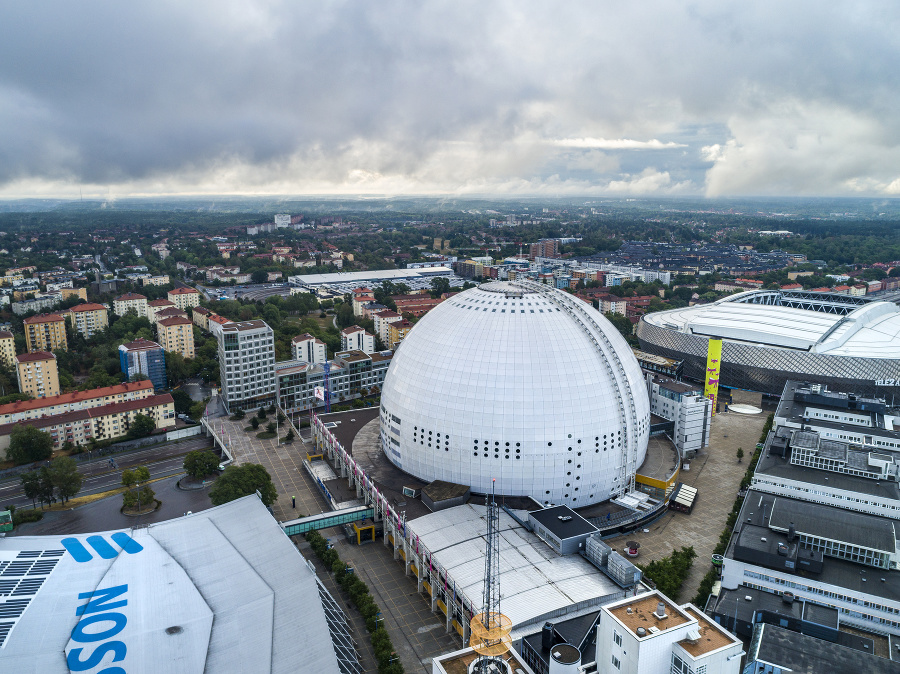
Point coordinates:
[(368, 276), (223, 590), (534, 580), (870, 331)]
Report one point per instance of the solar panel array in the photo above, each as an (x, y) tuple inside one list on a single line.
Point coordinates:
[(20, 580)]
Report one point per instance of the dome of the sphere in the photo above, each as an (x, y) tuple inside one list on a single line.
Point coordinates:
[(521, 383)]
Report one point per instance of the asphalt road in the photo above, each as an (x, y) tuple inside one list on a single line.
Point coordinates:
[(99, 476)]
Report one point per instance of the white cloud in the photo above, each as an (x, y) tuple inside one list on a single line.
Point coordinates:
[(649, 181), (615, 144)]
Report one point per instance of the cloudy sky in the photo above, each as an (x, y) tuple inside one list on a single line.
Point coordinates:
[(470, 98)]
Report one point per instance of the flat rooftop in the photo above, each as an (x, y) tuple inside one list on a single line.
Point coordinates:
[(562, 522), (712, 637), (641, 612)]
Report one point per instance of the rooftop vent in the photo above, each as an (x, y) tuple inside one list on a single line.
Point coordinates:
[(763, 539), (654, 629), (747, 597), (563, 518), (661, 611), (629, 611), (693, 636), (641, 632)]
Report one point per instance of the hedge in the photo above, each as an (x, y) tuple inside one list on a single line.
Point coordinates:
[(669, 573)]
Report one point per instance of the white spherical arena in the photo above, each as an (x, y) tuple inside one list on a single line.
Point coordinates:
[(522, 383)]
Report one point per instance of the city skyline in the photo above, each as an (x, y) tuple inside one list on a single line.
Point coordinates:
[(110, 101)]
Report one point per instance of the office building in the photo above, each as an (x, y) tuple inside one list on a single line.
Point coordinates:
[(349, 374), (184, 298), (45, 332), (308, 349), (247, 364), (686, 407), (37, 374), (177, 335), (144, 357)]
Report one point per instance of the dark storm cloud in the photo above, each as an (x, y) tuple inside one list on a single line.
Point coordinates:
[(441, 96)]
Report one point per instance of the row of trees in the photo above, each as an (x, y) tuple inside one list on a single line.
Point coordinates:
[(60, 481)]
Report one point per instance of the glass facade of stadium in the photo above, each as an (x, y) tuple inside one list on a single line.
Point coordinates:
[(767, 368)]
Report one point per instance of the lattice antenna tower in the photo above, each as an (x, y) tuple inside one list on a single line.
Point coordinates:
[(490, 628)]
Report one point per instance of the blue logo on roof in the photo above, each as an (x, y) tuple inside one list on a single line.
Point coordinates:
[(101, 546)]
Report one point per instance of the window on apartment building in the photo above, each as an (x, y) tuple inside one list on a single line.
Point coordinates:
[(617, 638), (616, 663)]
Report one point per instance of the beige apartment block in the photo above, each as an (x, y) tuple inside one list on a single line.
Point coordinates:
[(37, 374), (177, 334), (7, 349), (45, 332), (130, 302), (184, 298), (66, 293), (88, 319)]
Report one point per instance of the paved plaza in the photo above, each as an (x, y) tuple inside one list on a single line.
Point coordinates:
[(417, 634), (716, 474)]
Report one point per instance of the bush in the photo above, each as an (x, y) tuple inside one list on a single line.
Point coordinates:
[(670, 572), (25, 516)]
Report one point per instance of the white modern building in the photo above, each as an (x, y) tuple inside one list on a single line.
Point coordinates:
[(522, 383), (685, 406), (355, 338), (383, 320), (308, 349), (650, 634), (247, 364)]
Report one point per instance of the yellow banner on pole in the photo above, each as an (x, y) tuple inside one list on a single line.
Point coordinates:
[(713, 368)]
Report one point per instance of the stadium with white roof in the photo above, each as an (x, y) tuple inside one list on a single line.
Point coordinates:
[(771, 336), (223, 590)]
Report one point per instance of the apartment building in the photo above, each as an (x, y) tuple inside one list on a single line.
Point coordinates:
[(382, 320), (103, 422), (397, 331), (355, 338), (308, 349), (184, 298), (22, 410), (162, 280), (37, 374), (88, 319), (45, 332), (130, 302), (7, 349), (176, 334), (247, 364), (66, 293), (155, 306), (361, 297), (200, 317), (144, 357)]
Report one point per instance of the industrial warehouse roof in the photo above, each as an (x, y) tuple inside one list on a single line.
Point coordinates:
[(223, 590), (368, 276), (534, 580), (870, 330)]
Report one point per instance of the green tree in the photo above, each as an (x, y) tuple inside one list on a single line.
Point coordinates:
[(254, 422), (177, 369), (183, 402), (740, 454), (439, 286), (31, 485), (238, 481), (261, 414), (128, 478), (259, 276), (142, 474), (200, 463), (141, 426), (65, 477), (45, 487), (27, 444), (270, 427)]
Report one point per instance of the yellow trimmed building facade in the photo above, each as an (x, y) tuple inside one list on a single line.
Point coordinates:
[(45, 332), (184, 298), (38, 374)]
